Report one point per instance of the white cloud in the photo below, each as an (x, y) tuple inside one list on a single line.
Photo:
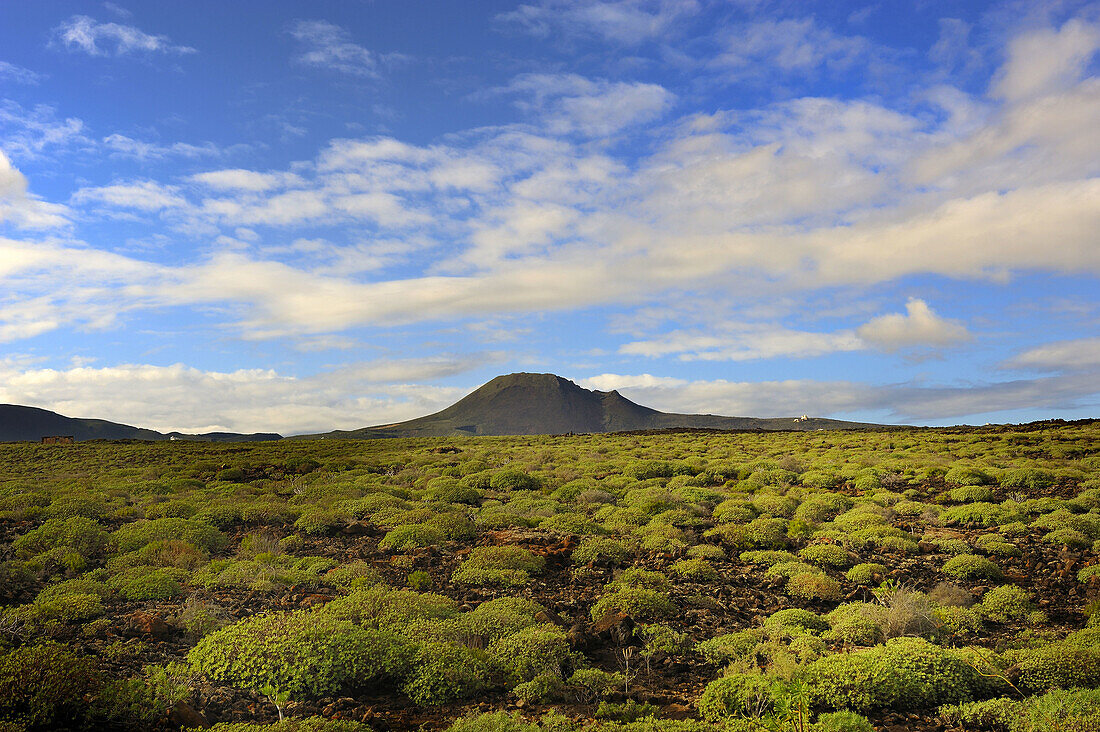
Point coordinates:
[(18, 74), (143, 195), (789, 46), (27, 133), (22, 209), (574, 104), (746, 343), (128, 147), (244, 180), (329, 46), (1081, 354), (1046, 61), (179, 397), (628, 22), (920, 326), (899, 403), (81, 33)]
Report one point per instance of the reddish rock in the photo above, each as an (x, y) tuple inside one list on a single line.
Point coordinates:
[(138, 624)]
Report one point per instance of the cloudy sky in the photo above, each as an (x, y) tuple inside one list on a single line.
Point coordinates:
[(299, 216)]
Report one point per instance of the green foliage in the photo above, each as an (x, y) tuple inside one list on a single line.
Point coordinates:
[(509, 566), (842, 722), (531, 652), (597, 549), (796, 620), (858, 623), (305, 653), (971, 567), (514, 480), (906, 673), (81, 535), (813, 586), (967, 475), (411, 536), (866, 573), (697, 570), (1005, 604), (137, 534), (828, 555), (44, 687), (734, 695), (639, 603), (443, 672), (302, 724), (1071, 662), (590, 684), (1028, 478), (147, 583)]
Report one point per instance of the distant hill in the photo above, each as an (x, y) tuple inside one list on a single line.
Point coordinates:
[(18, 423), (540, 404)]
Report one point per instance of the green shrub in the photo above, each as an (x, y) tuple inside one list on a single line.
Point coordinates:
[(299, 724), (353, 574), (509, 566), (858, 623), (697, 570), (735, 695), (814, 586), (1060, 710), (304, 653), (959, 620), (514, 480), (146, 583), (139, 533), (383, 608), (866, 573), (967, 475), (828, 555), (767, 557), (531, 652), (970, 494), (492, 722), (723, 649), (707, 551), (954, 546), (589, 684), (17, 580), (971, 567), (1073, 661), (906, 673), (1005, 604), (842, 722), (639, 603), (1029, 478), (1087, 573), (975, 514), (796, 620), (411, 536), (1071, 538), (598, 549), (79, 534), (442, 672), (44, 687)]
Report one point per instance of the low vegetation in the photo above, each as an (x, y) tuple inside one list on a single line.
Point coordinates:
[(652, 582)]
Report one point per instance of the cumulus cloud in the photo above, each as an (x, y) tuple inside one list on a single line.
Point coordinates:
[(22, 209), (920, 326), (84, 34), (1045, 60), (183, 398)]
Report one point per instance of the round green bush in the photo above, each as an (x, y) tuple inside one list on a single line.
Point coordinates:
[(733, 696), (137, 534), (842, 722), (813, 586), (531, 652), (828, 555), (1005, 604), (442, 672), (411, 536), (796, 620), (906, 673), (866, 573), (305, 653), (971, 567), (639, 603), (510, 566), (696, 570), (44, 687)]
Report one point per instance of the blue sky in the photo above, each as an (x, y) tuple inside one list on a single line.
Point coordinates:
[(298, 216)]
